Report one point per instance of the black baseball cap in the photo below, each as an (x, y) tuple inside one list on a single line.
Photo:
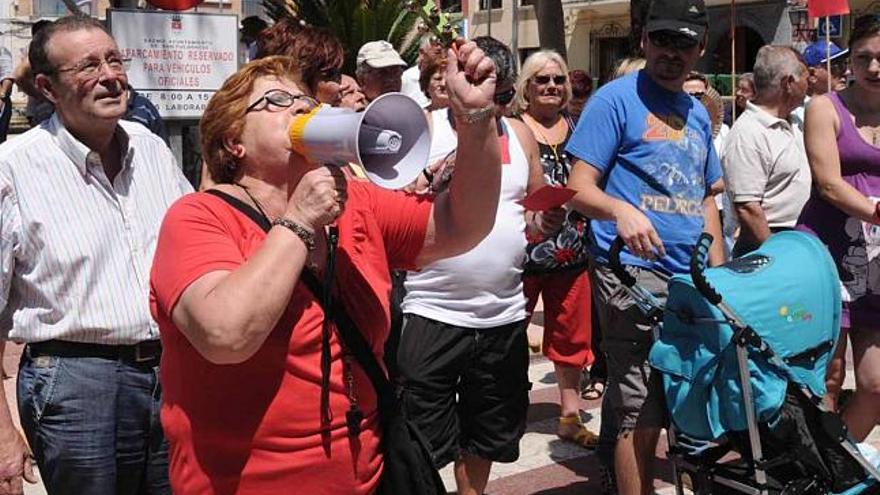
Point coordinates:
[(685, 17)]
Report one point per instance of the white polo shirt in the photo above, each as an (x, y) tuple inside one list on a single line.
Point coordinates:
[(764, 160)]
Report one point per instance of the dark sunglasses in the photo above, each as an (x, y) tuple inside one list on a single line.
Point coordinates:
[(671, 39), (281, 99), (698, 95), (557, 80), (505, 97)]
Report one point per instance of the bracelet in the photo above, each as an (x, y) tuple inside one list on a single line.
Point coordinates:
[(305, 235), (476, 116), (428, 175)]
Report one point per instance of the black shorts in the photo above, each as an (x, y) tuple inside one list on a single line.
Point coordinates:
[(466, 389)]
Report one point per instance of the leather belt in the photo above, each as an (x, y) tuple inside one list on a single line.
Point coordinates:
[(148, 350)]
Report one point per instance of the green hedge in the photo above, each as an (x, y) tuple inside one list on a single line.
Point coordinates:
[(721, 82)]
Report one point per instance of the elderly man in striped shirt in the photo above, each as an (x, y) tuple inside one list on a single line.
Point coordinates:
[(81, 200)]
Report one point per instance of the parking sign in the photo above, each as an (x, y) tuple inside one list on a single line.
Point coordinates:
[(834, 26)]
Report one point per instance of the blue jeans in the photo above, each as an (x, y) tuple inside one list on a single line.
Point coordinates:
[(5, 118), (93, 424)]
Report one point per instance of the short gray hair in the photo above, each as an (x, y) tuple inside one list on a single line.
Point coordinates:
[(774, 62), (426, 41), (361, 70)]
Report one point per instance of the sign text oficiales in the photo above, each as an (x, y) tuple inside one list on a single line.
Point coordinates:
[(177, 60)]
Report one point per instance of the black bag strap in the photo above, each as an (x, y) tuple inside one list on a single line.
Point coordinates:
[(351, 337), (353, 340), (246, 209)]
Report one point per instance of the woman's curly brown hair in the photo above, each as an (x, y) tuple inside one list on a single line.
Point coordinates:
[(318, 53)]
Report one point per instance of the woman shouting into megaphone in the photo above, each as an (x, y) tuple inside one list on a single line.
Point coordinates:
[(259, 394)]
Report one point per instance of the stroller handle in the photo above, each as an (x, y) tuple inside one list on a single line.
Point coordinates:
[(614, 263), (698, 264)]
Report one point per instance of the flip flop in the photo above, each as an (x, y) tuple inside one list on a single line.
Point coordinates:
[(582, 436), (593, 390)]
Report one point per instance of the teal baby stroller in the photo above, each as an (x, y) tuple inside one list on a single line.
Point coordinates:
[(744, 399)]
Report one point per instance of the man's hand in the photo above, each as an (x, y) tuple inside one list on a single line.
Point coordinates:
[(470, 79), (637, 232), (422, 184), (16, 464)]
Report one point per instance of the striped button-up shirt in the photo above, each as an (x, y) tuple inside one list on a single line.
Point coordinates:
[(76, 248)]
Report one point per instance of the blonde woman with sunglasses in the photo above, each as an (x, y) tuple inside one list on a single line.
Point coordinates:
[(556, 264)]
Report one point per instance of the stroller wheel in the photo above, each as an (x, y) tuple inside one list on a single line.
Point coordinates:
[(809, 486)]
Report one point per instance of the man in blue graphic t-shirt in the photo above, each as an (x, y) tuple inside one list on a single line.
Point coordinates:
[(646, 171)]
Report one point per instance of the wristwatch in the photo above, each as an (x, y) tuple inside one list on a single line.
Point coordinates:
[(307, 236)]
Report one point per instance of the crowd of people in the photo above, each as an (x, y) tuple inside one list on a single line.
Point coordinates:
[(191, 342)]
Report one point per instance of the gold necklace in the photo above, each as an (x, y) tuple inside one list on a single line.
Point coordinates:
[(553, 147), (873, 130)]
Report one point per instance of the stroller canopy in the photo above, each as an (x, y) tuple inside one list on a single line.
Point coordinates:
[(788, 291)]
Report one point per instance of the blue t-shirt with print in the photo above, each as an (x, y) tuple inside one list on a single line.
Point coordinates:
[(654, 149)]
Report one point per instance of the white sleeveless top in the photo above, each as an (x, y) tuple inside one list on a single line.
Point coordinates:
[(443, 139), (483, 287)]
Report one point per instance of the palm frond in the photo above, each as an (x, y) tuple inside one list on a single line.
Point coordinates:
[(355, 22)]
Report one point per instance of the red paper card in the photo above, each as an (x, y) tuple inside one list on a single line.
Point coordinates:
[(546, 198), (823, 8)]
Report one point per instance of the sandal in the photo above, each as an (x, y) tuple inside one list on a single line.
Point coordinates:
[(581, 436), (593, 390), (535, 346)]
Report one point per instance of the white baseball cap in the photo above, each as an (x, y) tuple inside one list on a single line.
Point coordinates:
[(378, 55)]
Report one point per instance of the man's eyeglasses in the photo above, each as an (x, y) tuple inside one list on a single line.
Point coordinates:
[(505, 97), (90, 68), (281, 99), (557, 80), (671, 39), (698, 94), (862, 60), (838, 67)]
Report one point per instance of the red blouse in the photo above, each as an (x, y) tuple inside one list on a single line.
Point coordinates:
[(254, 427)]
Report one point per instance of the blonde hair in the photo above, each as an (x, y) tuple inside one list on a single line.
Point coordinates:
[(533, 64), (627, 65), (225, 113)]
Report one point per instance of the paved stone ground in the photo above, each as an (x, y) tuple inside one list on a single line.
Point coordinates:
[(547, 466)]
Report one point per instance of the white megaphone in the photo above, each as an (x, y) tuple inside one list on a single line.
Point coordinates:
[(389, 140)]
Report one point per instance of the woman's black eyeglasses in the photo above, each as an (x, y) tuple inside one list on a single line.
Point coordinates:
[(281, 99), (671, 39), (557, 80), (505, 97)]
